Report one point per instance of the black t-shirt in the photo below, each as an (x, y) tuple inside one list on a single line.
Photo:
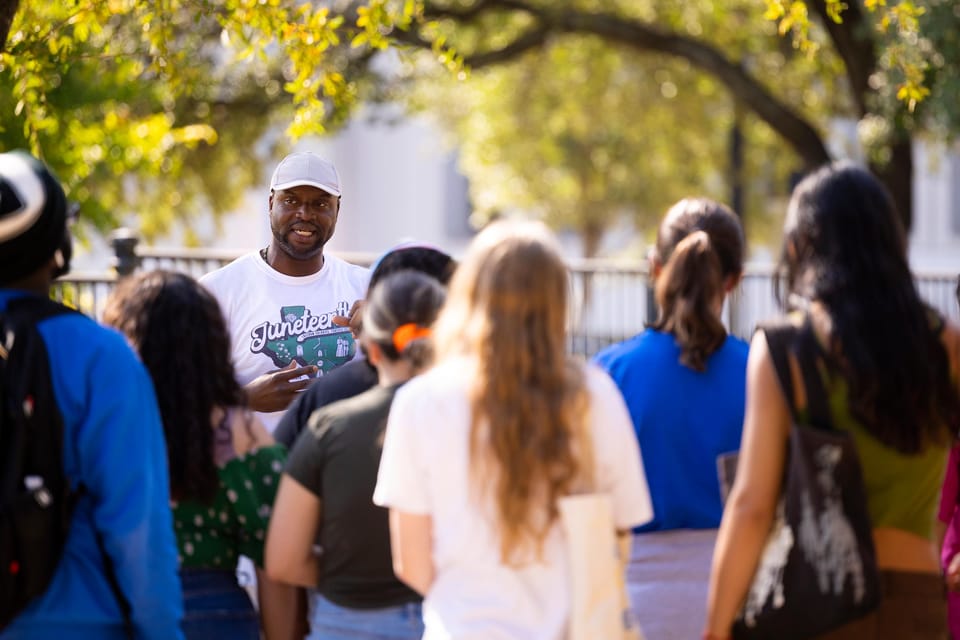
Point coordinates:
[(337, 458), (345, 381)]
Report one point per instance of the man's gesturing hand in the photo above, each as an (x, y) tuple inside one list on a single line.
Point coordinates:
[(275, 391), (353, 319)]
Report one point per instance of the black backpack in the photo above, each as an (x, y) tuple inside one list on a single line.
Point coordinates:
[(36, 501)]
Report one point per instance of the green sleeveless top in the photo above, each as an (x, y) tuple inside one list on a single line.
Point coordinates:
[(903, 490)]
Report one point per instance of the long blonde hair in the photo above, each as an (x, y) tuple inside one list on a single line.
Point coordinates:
[(506, 312)]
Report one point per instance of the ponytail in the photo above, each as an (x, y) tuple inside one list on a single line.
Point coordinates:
[(400, 309), (687, 289)]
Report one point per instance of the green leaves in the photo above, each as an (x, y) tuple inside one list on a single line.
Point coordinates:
[(896, 27), (151, 108), (120, 95)]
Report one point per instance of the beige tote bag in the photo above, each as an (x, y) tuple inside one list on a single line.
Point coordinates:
[(600, 606)]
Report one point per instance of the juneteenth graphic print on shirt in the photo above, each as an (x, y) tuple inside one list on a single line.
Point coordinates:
[(305, 337)]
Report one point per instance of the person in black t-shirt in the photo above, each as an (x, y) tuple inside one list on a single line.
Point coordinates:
[(359, 375), (325, 494)]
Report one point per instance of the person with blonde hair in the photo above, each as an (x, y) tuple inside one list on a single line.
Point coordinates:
[(479, 449)]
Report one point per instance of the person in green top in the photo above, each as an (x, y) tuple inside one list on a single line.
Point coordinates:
[(326, 492), (224, 466), (888, 366)]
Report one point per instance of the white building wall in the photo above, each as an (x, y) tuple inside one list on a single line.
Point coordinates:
[(935, 237), (399, 183)]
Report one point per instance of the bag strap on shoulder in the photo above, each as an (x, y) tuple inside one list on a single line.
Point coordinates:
[(24, 359), (30, 309), (783, 338), (23, 314)]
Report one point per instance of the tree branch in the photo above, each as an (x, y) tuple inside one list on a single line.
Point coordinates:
[(532, 39), (8, 9), (476, 10), (850, 39), (794, 129), (799, 133)]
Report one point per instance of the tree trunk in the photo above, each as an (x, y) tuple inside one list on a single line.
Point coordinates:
[(897, 175), (8, 9), (590, 235)]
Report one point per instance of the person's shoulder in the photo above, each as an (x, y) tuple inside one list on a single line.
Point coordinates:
[(736, 346), (598, 381), (606, 400), (624, 348), (332, 419), (447, 375), (345, 381), (77, 333), (228, 272), (86, 355), (256, 463), (371, 400), (444, 385), (357, 275), (950, 337)]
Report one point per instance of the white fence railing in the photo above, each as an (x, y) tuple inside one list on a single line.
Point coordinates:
[(610, 302)]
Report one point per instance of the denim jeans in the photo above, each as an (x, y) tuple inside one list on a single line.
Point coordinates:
[(329, 621), (215, 606)]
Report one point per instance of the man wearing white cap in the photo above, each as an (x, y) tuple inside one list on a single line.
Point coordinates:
[(280, 302)]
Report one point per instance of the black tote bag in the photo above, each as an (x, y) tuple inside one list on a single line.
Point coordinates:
[(818, 568)]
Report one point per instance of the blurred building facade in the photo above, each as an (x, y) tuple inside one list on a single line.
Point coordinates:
[(401, 182)]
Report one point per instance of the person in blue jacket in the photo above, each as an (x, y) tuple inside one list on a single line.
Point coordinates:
[(113, 442), (683, 378)]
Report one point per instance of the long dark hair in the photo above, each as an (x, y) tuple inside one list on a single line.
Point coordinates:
[(700, 246), (177, 328), (845, 247)]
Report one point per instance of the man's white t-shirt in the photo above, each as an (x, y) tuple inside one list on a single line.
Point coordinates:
[(425, 469), (275, 319)]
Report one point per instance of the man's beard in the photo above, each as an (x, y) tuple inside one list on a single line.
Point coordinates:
[(298, 253)]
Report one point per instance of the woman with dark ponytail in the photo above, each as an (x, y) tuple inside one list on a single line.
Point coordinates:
[(683, 377), (325, 495)]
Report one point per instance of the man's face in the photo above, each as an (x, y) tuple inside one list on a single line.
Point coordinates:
[(302, 220)]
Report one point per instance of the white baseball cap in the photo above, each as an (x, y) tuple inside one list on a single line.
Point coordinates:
[(306, 168)]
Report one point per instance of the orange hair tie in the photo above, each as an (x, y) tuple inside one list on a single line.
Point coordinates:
[(407, 333)]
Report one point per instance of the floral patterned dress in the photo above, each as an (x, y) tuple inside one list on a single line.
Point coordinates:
[(213, 536)]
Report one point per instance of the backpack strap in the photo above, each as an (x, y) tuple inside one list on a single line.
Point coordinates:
[(18, 322), (21, 315), (783, 338)]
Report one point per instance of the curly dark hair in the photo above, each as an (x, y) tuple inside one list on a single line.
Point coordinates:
[(178, 329), (845, 247)]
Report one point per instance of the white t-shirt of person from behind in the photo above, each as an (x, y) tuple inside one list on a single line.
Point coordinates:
[(275, 319), (424, 469)]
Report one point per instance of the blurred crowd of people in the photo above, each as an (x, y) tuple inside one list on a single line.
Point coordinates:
[(388, 448)]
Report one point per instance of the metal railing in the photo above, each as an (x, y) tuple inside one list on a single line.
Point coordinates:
[(610, 302)]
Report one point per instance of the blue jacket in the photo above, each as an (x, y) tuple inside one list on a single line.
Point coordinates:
[(114, 446), (683, 420)]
